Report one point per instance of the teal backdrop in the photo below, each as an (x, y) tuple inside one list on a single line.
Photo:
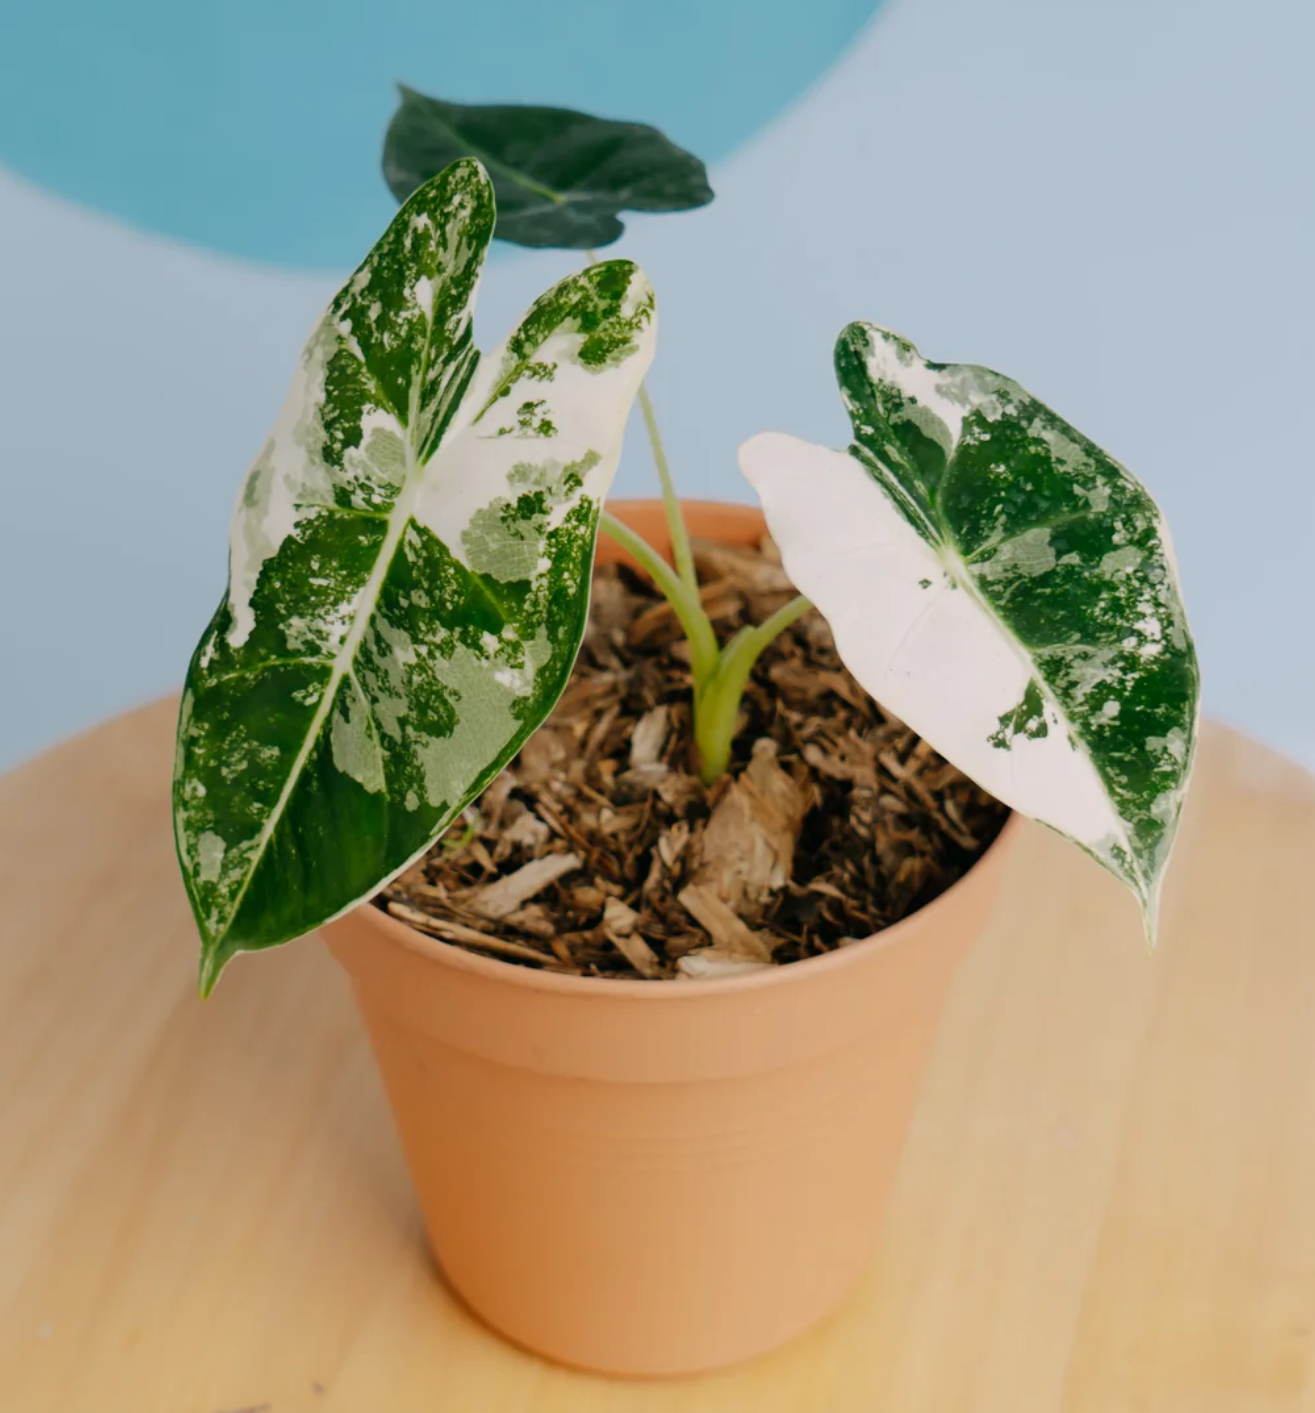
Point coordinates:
[(1110, 200), (252, 127)]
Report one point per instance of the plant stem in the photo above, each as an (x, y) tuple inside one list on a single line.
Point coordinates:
[(680, 550), (775, 624), (717, 705), (720, 674), (687, 606)]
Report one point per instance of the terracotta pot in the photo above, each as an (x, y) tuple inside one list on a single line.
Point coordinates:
[(656, 1178)]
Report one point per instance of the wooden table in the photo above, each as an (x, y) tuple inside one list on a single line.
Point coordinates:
[(1107, 1204)]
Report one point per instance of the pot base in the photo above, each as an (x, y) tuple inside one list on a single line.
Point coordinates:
[(648, 1229), (724, 1358)]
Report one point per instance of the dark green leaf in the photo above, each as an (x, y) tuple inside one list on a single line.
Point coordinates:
[(560, 177)]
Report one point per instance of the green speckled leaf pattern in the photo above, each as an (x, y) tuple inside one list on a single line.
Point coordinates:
[(408, 575), (561, 177), (1004, 586)]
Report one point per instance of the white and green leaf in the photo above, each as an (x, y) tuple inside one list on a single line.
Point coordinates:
[(998, 582), (409, 573)]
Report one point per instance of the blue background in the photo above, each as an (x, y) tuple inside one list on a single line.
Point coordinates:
[(254, 126), (1111, 202)]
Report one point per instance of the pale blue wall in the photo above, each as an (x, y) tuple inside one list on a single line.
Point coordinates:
[(1110, 201)]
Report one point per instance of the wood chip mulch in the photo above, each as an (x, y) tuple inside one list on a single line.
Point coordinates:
[(598, 853)]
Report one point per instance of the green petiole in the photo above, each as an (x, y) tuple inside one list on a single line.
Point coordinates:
[(680, 550), (720, 674), (717, 698), (697, 626)]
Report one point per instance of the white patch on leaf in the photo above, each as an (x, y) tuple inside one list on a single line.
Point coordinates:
[(1120, 561), (352, 740), (210, 849), (1174, 745), (1029, 553), (485, 722), (589, 406), (287, 481), (888, 362)]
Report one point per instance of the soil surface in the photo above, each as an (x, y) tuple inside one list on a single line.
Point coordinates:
[(598, 852)]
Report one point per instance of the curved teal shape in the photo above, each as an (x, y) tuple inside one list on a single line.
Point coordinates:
[(254, 127)]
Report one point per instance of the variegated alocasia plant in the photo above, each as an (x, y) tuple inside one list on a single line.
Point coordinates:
[(1005, 587), (409, 573), (411, 555)]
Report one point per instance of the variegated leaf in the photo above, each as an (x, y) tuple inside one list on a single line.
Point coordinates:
[(1004, 586), (409, 573)]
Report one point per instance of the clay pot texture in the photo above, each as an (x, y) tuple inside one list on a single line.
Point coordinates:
[(658, 1177)]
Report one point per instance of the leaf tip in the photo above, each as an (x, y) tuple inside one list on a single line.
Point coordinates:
[(213, 962), (1150, 918), (864, 337)]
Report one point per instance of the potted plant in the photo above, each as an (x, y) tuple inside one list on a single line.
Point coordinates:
[(652, 956)]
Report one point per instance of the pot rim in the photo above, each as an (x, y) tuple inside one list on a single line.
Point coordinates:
[(532, 979)]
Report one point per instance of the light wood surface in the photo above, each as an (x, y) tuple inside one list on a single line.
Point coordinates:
[(1107, 1204)]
